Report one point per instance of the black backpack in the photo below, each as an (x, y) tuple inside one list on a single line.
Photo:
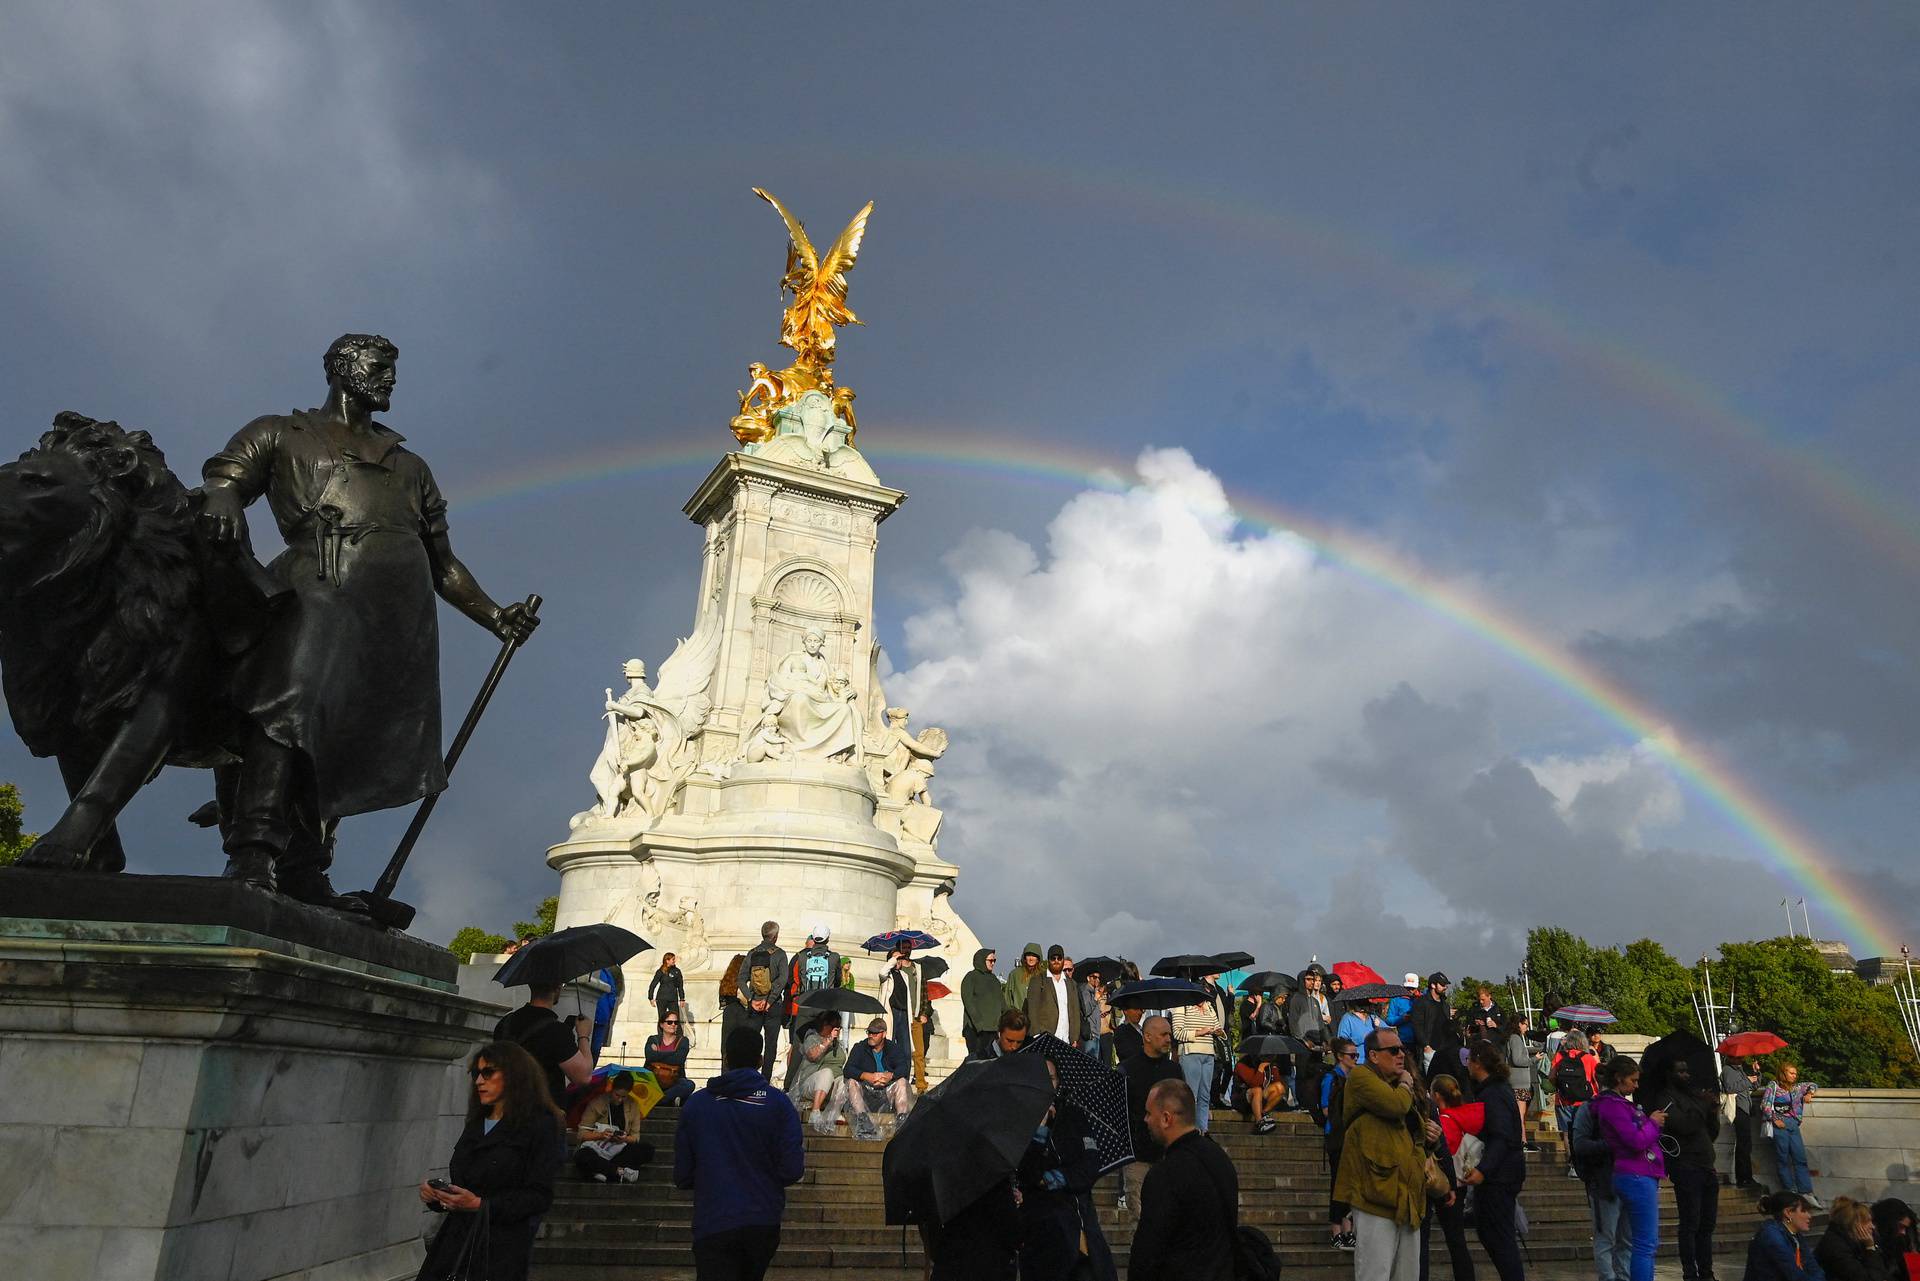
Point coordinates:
[(1570, 1079), (1253, 1254)]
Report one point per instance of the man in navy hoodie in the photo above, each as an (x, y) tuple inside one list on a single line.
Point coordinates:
[(738, 1146)]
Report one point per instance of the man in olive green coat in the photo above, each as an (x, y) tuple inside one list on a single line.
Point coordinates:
[(982, 1001), (1382, 1174)]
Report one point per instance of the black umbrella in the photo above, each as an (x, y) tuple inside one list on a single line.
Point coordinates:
[(1268, 981), (1656, 1066), (932, 966), (1157, 994), (567, 954), (1224, 961), (1093, 1089), (843, 999), (1260, 1047), (1109, 968), (1372, 992), (1185, 966), (964, 1135)]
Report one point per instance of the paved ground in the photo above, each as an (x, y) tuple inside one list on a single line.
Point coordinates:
[(1664, 1270)]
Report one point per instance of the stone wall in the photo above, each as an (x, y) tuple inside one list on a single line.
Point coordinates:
[(197, 1100), (1860, 1143)]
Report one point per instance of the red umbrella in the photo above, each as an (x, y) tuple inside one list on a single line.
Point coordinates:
[(1353, 974), (1745, 1045), (937, 990)]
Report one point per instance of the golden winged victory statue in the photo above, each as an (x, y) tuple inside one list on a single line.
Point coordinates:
[(818, 308)]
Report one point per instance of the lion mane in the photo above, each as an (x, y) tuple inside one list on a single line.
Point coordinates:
[(116, 608)]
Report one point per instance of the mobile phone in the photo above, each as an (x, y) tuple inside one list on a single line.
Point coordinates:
[(440, 1185)]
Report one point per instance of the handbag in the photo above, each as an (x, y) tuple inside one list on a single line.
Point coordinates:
[(474, 1261), (1438, 1185)]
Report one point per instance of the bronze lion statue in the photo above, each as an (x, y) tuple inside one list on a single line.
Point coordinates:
[(116, 626)]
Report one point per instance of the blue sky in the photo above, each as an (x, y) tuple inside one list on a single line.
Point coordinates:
[(1568, 306)]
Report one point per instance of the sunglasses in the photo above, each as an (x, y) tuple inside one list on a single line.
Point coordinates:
[(669, 1022), (483, 1073), (1348, 1054), (1389, 1049)]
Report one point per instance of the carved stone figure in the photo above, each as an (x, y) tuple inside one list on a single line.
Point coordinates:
[(812, 706), (652, 745), (342, 695), (116, 626), (766, 743), (905, 762)]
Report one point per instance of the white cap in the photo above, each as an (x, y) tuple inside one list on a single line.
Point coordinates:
[(1412, 980), (819, 932)]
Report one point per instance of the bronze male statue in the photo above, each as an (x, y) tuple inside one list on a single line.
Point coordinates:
[(342, 695)]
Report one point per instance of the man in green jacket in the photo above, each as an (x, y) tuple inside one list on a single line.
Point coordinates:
[(1382, 1175), (1023, 973), (982, 1002)]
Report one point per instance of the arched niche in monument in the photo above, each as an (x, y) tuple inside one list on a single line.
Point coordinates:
[(799, 595)]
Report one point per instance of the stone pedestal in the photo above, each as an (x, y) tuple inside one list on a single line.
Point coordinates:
[(241, 1089), (701, 855)]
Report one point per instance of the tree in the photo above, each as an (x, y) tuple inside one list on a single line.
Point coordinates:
[(13, 841), (472, 938)]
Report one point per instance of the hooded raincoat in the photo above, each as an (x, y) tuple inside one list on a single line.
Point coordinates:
[(980, 996)]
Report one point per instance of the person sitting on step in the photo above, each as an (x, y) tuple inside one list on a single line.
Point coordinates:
[(610, 1146), (876, 1077)]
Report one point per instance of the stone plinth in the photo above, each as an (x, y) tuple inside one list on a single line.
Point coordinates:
[(1860, 1143), (196, 1099)]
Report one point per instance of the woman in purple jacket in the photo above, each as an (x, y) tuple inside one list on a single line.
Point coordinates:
[(1638, 1163)]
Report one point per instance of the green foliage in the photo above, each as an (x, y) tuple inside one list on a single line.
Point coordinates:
[(542, 923), (13, 841), (1843, 1031), (472, 938)]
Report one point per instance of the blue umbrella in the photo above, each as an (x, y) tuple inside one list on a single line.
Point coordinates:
[(919, 940)]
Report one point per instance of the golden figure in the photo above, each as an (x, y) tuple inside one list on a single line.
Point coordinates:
[(819, 307)]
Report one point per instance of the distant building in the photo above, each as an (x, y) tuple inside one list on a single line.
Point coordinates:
[(1881, 971), (1837, 955)]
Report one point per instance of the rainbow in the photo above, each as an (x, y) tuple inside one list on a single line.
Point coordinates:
[(1779, 838), (1680, 399)]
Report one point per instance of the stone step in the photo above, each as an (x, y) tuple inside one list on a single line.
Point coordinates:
[(602, 1263)]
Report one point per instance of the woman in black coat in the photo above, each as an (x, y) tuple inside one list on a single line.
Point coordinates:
[(668, 988), (1848, 1252), (500, 1177), (1503, 1163)]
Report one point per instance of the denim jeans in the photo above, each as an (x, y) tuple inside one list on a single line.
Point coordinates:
[(1640, 1206), (1197, 1069), (1612, 1235), (1790, 1151)]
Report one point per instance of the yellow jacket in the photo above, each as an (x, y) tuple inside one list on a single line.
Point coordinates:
[(1381, 1170)]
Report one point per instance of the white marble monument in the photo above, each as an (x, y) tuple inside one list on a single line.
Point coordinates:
[(763, 776)]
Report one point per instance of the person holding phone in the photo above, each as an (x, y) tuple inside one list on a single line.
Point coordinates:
[(500, 1177), (1781, 1107), (1639, 1162)]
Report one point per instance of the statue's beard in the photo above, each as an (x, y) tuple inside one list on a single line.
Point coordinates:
[(364, 389)]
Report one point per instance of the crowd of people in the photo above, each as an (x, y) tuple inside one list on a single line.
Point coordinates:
[(1424, 1111)]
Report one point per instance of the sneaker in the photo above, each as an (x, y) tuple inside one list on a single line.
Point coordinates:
[(1344, 1242), (1572, 1173), (1813, 1200), (1266, 1126), (1122, 1203), (629, 1175), (1530, 1147), (599, 1178), (866, 1129)]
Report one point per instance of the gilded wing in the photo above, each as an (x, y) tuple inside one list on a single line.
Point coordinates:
[(832, 273), (802, 263)]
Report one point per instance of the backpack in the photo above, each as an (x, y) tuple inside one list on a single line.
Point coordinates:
[(1570, 1080), (1591, 1154), (1336, 1113), (760, 973), (1253, 1254)]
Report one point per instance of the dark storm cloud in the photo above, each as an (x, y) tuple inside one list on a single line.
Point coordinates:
[(1489, 288)]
